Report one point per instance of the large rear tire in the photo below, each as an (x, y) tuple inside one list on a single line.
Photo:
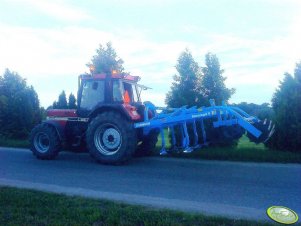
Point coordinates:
[(111, 139), (44, 142)]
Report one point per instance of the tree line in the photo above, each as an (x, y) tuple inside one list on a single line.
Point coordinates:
[(62, 102), (192, 85)]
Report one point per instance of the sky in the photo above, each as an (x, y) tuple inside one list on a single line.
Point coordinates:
[(50, 42)]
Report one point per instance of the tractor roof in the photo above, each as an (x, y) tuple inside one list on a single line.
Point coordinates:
[(124, 76)]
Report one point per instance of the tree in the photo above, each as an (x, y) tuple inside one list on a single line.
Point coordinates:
[(62, 101), (298, 72), (186, 88), (106, 60), (286, 103), (54, 105), (195, 86), (262, 111), (72, 101), (19, 106), (213, 80)]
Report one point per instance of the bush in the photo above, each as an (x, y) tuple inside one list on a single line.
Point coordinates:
[(19, 106), (286, 103)]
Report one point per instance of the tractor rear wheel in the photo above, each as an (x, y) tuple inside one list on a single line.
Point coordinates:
[(111, 139), (148, 144), (44, 142)]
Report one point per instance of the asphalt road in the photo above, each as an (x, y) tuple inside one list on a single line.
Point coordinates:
[(237, 190)]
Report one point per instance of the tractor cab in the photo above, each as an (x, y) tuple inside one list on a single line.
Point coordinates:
[(118, 91)]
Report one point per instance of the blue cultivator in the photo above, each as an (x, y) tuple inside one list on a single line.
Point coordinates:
[(223, 117)]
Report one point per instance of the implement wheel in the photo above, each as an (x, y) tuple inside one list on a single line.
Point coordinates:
[(111, 139)]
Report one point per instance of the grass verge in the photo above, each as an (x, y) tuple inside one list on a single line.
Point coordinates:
[(15, 143), (28, 207), (245, 151)]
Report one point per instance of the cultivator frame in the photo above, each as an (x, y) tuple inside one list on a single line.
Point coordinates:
[(224, 116)]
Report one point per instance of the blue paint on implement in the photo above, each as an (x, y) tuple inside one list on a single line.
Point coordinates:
[(222, 116)]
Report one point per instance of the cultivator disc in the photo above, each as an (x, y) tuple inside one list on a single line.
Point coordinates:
[(267, 129), (232, 132), (226, 135)]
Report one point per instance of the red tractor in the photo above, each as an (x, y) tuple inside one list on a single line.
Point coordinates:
[(108, 107), (113, 124)]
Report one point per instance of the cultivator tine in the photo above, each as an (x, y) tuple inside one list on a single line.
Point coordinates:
[(272, 130), (163, 149), (173, 137), (185, 139), (188, 150), (270, 125), (204, 133), (186, 135), (196, 136), (173, 147)]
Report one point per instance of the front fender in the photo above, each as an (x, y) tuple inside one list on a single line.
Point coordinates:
[(59, 127)]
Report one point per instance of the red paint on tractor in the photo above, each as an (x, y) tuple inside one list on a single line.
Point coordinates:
[(132, 111), (62, 123), (62, 113)]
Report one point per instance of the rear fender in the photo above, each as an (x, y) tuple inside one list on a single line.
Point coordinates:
[(123, 110)]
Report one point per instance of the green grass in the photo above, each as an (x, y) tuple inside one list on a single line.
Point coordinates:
[(245, 151), (16, 143), (27, 207)]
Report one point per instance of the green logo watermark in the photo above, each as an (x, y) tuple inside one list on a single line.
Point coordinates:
[(282, 215)]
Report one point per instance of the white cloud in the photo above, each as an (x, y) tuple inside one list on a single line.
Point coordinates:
[(251, 61), (157, 98), (55, 8), (60, 53)]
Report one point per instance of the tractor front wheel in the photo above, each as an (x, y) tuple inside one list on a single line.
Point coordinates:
[(111, 139), (44, 142)]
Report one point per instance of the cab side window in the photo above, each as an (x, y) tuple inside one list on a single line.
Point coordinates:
[(117, 91), (93, 93)]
